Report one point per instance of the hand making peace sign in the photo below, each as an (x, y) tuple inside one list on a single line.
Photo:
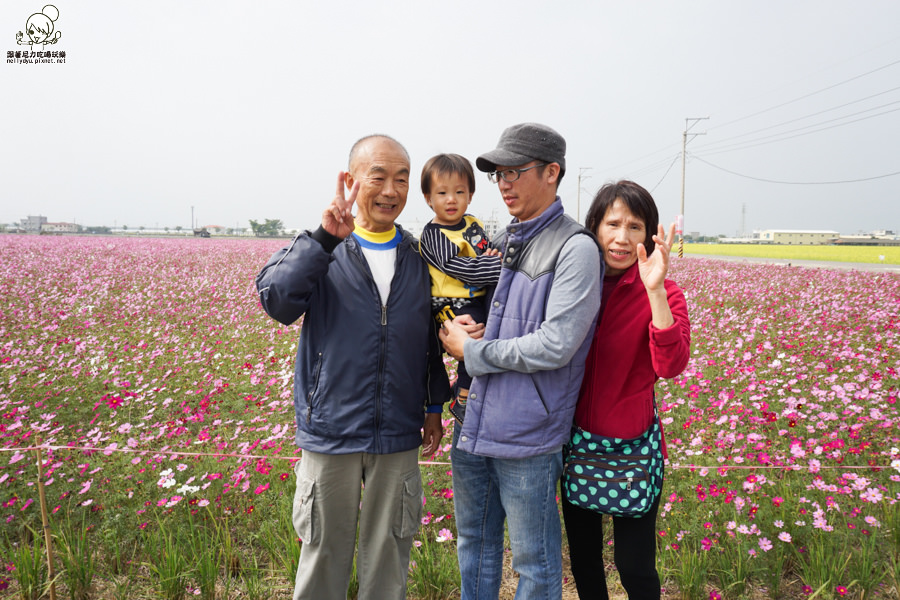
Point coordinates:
[(337, 218)]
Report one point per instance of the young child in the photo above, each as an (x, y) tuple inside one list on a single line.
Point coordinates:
[(460, 256)]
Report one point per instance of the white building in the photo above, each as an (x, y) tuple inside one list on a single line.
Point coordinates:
[(797, 236)]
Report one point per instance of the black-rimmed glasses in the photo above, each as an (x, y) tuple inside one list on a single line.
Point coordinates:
[(510, 175)]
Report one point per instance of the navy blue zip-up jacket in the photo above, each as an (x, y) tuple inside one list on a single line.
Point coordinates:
[(364, 372)]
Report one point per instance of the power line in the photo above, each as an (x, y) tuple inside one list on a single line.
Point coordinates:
[(830, 87), (717, 147), (750, 144), (788, 122), (795, 182), (672, 164), (651, 168)]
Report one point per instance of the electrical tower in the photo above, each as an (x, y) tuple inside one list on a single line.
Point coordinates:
[(744, 220)]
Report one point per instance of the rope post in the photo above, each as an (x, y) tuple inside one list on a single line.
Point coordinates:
[(679, 229), (45, 521)]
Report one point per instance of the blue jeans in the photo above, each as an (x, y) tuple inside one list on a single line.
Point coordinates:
[(521, 491)]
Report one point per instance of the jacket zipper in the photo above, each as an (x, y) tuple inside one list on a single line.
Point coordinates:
[(379, 385)]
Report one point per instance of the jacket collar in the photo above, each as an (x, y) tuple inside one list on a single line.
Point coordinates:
[(522, 231)]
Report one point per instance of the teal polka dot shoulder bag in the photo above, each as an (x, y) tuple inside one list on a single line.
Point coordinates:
[(614, 476)]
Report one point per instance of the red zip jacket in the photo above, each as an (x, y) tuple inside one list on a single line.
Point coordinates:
[(628, 354)]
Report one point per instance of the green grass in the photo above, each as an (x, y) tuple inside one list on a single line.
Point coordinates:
[(857, 254)]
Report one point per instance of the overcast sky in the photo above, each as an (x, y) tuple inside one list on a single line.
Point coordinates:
[(247, 110)]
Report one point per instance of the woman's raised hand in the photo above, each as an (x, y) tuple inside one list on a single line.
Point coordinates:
[(654, 268)]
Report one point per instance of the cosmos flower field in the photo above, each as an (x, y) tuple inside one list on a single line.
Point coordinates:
[(161, 394)]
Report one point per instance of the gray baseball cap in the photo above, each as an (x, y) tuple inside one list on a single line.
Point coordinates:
[(524, 143)]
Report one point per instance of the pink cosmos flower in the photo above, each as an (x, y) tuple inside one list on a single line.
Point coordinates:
[(872, 521), (871, 495), (444, 535)]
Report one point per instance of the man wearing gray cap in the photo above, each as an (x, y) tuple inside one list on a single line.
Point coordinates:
[(527, 368)]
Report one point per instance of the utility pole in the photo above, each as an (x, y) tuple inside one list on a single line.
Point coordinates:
[(682, 207), (744, 220), (580, 177), (688, 123)]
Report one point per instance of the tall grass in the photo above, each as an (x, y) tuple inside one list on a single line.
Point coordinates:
[(77, 556)]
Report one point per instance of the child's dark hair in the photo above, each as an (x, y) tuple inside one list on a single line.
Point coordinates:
[(447, 164)]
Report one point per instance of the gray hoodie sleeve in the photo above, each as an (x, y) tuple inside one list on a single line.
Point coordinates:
[(572, 307)]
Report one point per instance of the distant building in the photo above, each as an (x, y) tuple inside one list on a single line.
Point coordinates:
[(797, 236), (59, 228), (215, 229), (492, 225), (33, 224), (865, 239)]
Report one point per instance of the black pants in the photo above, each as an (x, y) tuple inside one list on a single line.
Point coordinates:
[(468, 306), (634, 552)]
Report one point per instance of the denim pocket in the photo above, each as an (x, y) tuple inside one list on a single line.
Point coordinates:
[(411, 500), (303, 513)]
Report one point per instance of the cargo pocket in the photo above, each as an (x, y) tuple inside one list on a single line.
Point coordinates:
[(411, 500), (303, 514)]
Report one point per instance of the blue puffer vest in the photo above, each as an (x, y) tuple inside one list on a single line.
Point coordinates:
[(513, 414)]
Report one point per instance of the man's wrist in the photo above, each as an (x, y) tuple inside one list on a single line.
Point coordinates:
[(329, 242)]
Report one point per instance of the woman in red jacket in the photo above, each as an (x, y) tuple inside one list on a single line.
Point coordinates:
[(642, 334)]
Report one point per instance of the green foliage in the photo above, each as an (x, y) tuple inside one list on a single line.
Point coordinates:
[(206, 554), (30, 568), (77, 557), (433, 570), (168, 562), (271, 227), (254, 580), (278, 537)]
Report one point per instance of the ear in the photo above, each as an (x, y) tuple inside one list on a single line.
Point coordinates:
[(348, 180), (552, 172), (428, 200)]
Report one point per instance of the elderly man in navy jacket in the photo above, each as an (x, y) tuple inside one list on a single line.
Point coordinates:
[(368, 376)]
